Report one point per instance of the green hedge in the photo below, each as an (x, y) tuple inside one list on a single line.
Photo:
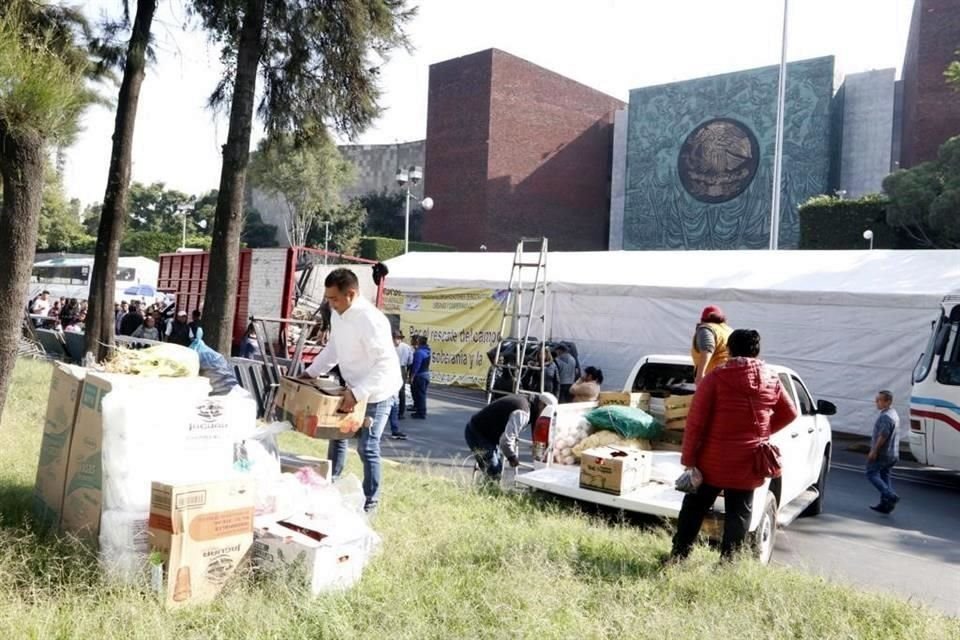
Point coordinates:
[(374, 248), (827, 222)]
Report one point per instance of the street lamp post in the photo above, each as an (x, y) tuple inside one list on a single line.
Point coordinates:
[(405, 177), (326, 240), (868, 235), (184, 210)]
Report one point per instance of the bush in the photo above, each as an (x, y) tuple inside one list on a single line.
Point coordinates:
[(827, 222), (386, 248), (150, 244)]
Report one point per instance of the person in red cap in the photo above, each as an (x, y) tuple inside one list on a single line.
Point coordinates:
[(709, 349)]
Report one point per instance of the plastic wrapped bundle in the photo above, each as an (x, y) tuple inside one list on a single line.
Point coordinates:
[(627, 421), (123, 566), (568, 433), (125, 530), (140, 441)]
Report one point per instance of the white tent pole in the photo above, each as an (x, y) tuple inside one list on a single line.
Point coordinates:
[(778, 145)]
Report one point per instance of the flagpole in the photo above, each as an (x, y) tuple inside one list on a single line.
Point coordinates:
[(778, 145)]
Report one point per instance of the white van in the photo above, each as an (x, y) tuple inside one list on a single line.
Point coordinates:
[(935, 401)]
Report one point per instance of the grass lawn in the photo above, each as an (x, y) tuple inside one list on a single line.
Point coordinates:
[(456, 563)]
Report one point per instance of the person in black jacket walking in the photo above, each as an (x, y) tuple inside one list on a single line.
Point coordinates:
[(178, 331)]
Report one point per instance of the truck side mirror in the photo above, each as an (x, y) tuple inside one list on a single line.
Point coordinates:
[(825, 408)]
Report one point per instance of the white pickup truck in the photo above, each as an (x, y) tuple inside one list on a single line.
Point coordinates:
[(805, 446)]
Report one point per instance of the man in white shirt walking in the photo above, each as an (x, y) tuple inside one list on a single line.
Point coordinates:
[(361, 344), (405, 355)]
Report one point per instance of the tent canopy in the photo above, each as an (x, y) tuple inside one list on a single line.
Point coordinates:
[(898, 276), (850, 322)]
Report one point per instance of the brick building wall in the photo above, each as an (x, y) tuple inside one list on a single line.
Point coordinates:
[(455, 171), (514, 149), (931, 109)]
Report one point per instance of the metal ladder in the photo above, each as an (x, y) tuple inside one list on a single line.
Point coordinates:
[(526, 303)]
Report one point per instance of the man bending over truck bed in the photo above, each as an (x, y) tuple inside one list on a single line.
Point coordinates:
[(493, 431)]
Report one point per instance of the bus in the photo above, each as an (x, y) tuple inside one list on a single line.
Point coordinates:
[(935, 399), (70, 277)]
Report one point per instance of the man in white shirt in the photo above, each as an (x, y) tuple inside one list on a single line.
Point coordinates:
[(405, 355), (41, 306), (360, 343)]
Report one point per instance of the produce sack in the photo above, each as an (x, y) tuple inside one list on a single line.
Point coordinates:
[(163, 360), (627, 421), (215, 368), (609, 438)]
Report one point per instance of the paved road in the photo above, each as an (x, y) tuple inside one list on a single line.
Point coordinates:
[(913, 553)]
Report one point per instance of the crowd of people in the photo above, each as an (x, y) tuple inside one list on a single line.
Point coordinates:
[(62, 314), (135, 319), (147, 323)]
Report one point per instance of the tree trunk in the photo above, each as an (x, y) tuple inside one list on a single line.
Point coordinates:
[(21, 166), (219, 303), (113, 217)]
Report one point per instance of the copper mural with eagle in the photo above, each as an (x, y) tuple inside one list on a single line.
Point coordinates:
[(718, 160)]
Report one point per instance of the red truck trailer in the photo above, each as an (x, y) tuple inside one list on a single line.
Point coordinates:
[(271, 283)]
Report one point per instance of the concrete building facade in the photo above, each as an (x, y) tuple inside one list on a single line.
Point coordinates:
[(376, 165), (516, 150), (866, 147)]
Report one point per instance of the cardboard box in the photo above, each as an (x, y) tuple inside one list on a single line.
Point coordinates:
[(638, 400), (66, 385), (83, 497), (203, 533), (312, 407), (291, 463), (615, 470), (327, 561)]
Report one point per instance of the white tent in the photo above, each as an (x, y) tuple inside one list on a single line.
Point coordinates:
[(849, 322)]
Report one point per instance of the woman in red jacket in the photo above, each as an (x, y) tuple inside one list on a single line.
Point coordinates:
[(736, 407)]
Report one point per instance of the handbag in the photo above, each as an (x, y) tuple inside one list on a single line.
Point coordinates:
[(767, 460)]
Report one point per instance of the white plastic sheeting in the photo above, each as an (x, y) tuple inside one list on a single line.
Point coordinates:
[(849, 322)]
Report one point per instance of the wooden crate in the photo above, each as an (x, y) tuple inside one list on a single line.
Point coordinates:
[(638, 400), (676, 407)]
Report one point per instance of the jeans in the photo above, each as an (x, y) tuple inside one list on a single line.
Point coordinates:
[(419, 389), (396, 412), (878, 473), (738, 506), (368, 447), (487, 453)]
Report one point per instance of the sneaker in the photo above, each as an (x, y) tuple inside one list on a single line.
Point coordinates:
[(399, 435), (883, 507)]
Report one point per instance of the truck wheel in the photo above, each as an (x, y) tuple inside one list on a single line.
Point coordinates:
[(816, 507), (763, 538)]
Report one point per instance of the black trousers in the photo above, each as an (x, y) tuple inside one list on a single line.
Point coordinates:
[(402, 408), (738, 506), (565, 393)]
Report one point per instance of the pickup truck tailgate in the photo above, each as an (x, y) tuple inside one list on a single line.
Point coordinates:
[(655, 498)]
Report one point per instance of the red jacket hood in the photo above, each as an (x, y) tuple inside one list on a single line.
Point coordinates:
[(747, 376)]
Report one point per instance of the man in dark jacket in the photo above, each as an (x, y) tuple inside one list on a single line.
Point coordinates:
[(178, 331), (493, 431), (131, 321), (420, 378)]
